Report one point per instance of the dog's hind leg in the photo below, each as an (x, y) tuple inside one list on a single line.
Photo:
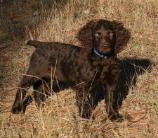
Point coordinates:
[(24, 85), (37, 92), (41, 91)]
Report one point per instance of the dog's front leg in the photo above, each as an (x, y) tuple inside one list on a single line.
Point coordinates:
[(112, 110), (84, 102)]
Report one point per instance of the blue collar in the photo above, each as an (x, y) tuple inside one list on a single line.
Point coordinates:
[(102, 55)]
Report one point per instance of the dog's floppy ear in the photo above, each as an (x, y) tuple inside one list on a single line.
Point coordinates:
[(122, 36), (85, 34)]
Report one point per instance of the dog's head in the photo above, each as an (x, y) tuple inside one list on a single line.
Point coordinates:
[(105, 36)]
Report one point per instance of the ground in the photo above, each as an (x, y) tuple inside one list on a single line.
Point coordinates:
[(61, 22)]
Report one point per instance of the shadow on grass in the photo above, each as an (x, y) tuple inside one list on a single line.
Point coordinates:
[(130, 70)]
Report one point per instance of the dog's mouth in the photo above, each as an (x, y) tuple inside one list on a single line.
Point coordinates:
[(105, 49)]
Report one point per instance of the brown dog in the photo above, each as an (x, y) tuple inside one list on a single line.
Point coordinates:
[(87, 69)]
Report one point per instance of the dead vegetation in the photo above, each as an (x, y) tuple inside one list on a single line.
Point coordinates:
[(60, 117)]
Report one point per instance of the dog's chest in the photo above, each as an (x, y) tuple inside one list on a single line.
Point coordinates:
[(87, 72), (110, 73)]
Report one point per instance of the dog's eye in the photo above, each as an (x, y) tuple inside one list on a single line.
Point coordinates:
[(110, 34), (97, 35)]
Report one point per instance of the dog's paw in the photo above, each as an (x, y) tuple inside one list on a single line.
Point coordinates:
[(116, 118), (87, 115)]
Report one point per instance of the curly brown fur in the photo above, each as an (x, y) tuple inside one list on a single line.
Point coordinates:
[(92, 71), (122, 34)]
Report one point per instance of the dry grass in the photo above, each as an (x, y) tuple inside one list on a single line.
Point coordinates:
[(60, 117)]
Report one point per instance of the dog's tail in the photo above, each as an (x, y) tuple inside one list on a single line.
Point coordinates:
[(34, 43)]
